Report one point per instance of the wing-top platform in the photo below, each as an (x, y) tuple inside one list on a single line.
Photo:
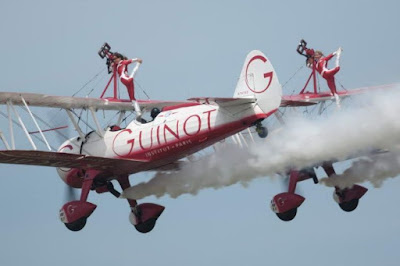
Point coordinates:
[(309, 98)]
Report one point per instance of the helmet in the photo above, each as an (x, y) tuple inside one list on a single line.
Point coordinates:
[(154, 112)]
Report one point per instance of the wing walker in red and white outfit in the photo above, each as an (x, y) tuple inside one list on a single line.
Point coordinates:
[(318, 62), (118, 65), (127, 80)]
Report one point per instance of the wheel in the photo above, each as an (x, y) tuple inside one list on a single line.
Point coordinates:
[(349, 205), (77, 225), (287, 216), (146, 226), (262, 131)]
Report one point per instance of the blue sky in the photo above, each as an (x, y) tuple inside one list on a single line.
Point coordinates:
[(193, 48)]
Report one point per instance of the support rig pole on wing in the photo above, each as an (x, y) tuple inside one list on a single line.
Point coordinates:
[(308, 53), (105, 52)]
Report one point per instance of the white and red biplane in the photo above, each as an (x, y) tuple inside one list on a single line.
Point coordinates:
[(285, 204), (92, 160)]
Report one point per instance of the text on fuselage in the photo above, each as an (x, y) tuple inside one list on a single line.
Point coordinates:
[(176, 132)]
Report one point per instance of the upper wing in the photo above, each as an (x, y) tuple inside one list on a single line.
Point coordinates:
[(67, 102), (223, 101), (308, 98), (148, 105), (293, 101), (59, 159)]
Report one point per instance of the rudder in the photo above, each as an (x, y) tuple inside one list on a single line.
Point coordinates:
[(258, 80)]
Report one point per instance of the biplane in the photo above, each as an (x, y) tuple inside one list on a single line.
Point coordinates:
[(92, 160), (285, 204)]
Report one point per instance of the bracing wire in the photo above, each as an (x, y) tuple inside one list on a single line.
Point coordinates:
[(95, 85), (47, 124), (17, 124), (295, 73), (84, 86), (93, 78), (341, 84), (148, 97)]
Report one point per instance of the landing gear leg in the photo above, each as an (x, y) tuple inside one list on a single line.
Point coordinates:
[(143, 216), (75, 213), (261, 130), (124, 183), (347, 198), (285, 204)]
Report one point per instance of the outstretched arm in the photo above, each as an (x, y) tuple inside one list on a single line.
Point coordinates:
[(130, 61), (328, 57), (337, 52), (138, 62)]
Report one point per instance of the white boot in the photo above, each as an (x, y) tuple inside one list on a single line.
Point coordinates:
[(337, 100), (134, 70), (338, 53)]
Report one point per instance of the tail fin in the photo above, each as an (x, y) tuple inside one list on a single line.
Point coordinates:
[(258, 80)]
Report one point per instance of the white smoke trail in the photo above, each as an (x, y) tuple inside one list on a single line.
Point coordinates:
[(301, 143), (221, 169), (374, 169)]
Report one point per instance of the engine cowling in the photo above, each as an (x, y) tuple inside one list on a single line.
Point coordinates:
[(71, 176)]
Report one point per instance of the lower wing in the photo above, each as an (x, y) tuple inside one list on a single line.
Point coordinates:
[(68, 160)]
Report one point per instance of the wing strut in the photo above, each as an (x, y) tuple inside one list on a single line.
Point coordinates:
[(77, 128), (240, 135), (10, 126), (251, 135), (36, 124), (279, 117), (99, 129), (4, 140), (22, 125), (121, 116)]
